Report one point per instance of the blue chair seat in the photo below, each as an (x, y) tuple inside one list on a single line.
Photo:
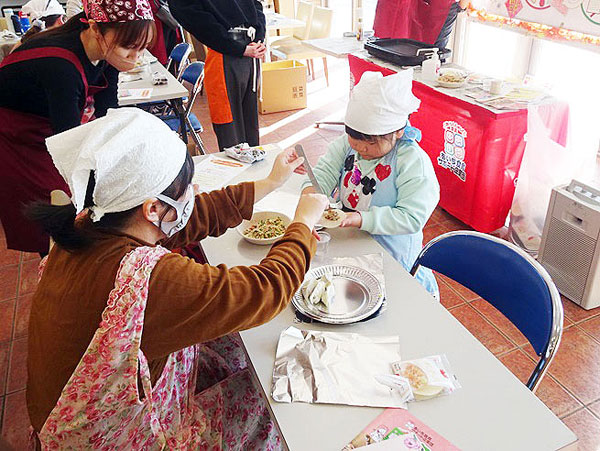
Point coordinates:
[(173, 122)]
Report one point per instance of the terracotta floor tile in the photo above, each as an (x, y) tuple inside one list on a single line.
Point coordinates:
[(454, 224), (2, 442), (595, 408), (587, 429), (15, 424), (466, 294), (22, 316), (29, 277), (7, 314), (481, 329), (9, 276), (549, 391), (27, 256), (592, 327), (440, 215), (448, 297), (494, 316), (576, 313), (17, 371), (576, 365), (432, 231), (8, 256), (4, 355)]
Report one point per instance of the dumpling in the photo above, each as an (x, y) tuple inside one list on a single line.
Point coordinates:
[(308, 288), (317, 293), (328, 295)]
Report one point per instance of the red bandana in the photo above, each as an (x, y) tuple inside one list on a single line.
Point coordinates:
[(117, 10)]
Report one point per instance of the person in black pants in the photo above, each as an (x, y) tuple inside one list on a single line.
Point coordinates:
[(233, 31), (442, 40)]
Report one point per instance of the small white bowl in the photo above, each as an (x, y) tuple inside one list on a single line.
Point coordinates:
[(258, 216)]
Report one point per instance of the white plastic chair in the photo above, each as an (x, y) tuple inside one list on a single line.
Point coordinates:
[(320, 27)]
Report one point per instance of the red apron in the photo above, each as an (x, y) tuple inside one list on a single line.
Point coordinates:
[(27, 172), (419, 20)]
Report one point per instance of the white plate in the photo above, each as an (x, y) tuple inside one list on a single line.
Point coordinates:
[(448, 84), (358, 294), (328, 224), (258, 216)]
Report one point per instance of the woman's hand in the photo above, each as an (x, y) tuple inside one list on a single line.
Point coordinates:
[(310, 209), (255, 50), (285, 164), (352, 219)]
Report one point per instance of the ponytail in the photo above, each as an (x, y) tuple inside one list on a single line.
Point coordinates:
[(59, 221)]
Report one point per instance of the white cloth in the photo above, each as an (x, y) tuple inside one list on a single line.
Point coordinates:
[(134, 156), (37, 9), (380, 105), (74, 7)]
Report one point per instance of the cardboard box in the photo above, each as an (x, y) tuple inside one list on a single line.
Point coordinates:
[(283, 86)]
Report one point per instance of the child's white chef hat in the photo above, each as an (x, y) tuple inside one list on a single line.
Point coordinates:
[(380, 105), (134, 156)]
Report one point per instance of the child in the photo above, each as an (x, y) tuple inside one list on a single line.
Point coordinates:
[(385, 181)]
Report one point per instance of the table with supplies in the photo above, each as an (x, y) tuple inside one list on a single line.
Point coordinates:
[(139, 85), (476, 149), (492, 411)]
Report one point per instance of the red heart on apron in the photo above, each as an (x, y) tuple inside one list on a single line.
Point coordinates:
[(347, 178), (383, 172)]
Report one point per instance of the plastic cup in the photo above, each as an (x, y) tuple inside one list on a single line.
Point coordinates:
[(322, 246)]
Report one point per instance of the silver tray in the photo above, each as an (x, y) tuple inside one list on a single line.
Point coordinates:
[(358, 294)]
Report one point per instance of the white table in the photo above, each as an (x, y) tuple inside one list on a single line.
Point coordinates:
[(172, 92), (276, 21), (336, 47), (493, 410)]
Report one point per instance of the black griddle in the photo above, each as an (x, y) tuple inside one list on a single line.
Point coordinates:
[(402, 52)]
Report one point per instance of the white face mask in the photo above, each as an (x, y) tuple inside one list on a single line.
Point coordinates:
[(184, 212)]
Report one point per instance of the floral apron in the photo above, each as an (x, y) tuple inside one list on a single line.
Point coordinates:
[(100, 406), (359, 191)]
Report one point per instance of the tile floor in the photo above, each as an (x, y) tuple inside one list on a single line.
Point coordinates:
[(571, 388)]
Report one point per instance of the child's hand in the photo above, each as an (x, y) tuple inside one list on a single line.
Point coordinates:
[(353, 219)]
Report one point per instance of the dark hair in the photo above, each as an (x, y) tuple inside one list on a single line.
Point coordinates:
[(134, 35), (59, 220), (49, 21), (370, 138)]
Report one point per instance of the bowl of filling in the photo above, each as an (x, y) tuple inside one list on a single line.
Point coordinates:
[(264, 228), (451, 78)]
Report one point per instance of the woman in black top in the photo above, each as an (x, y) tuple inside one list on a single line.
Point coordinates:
[(53, 82)]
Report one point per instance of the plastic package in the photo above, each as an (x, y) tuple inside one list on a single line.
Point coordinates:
[(243, 152), (427, 377)]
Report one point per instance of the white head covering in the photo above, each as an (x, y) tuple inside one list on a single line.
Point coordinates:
[(134, 155), (36, 9), (379, 105)]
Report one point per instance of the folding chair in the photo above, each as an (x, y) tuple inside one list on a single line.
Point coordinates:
[(194, 75), (509, 279)]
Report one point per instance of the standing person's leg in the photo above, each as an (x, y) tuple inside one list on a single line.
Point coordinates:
[(250, 104), (442, 40), (218, 87), (237, 73)]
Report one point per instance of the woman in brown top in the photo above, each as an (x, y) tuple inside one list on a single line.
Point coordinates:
[(111, 287)]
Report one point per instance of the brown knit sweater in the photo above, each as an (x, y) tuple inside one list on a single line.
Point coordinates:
[(188, 302)]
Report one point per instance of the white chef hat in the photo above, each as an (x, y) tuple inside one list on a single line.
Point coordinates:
[(134, 156), (36, 9), (380, 105)]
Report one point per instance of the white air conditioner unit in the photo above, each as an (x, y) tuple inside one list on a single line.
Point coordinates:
[(569, 250)]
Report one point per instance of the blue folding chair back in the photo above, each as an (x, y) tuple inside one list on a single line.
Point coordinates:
[(509, 279), (179, 56), (194, 75)]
